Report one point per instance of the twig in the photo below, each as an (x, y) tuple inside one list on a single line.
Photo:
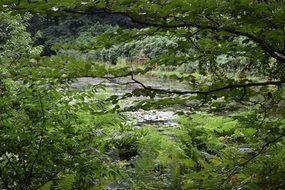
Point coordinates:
[(196, 46), (205, 100), (119, 83), (29, 176), (194, 33), (14, 169), (262, 149), (213, 21), (256, 155), (4, 181), (140, 83), (243, 94)]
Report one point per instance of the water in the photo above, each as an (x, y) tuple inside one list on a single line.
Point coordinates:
[(121, 86)]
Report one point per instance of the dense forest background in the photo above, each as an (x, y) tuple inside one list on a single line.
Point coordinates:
[(155, 94)]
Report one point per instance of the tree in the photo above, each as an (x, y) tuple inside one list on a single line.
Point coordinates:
[(42, 143), (250, 34), (251, 29)]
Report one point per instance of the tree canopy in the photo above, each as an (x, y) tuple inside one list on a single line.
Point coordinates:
[(232, 57)]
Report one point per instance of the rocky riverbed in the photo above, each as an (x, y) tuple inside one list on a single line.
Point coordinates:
[(121, 86)]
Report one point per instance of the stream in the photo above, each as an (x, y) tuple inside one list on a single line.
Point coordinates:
[(120, 86)]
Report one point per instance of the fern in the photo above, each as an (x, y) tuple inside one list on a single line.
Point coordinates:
[(46, 186), (65, 183)]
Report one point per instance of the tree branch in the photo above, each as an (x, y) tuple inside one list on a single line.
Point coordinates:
[(30, 175), (256, 155), (231, 86), (5, 183), (14, 169), (262, 149), (274, 52), (243, 94)]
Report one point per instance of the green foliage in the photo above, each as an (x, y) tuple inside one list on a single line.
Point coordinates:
[(57, 137), (72, 38), (41, 137), (224, 141), (15, 42), (46, 186), (66, 183), (45, 126), (79, 48)]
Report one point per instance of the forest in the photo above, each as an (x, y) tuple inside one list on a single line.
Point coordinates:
[(142, 94)]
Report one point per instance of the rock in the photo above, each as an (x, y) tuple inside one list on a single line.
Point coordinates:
[(245, 150), (206, 156)]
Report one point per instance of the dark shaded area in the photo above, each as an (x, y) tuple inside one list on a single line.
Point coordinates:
[(55, 28)]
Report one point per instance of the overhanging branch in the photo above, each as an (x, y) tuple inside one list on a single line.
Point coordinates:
[(230, 86), (138, 19), (272, 51), (266, 46)]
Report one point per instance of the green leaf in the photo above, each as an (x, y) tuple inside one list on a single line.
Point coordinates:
[(46, 186)]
